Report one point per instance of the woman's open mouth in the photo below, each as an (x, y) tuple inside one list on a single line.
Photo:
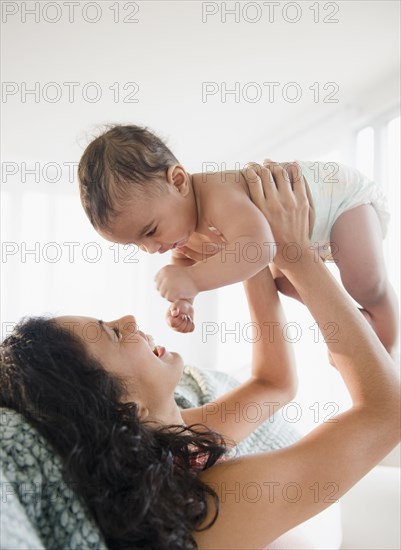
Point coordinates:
[(157, 350)]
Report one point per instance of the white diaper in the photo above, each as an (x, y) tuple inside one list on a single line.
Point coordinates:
[(336, 188)]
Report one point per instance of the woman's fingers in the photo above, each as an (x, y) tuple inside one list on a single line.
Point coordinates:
[(282, 180), (300, 190), (293, 169), (284, 204), (260, 183), (251, 173), (280, 176)]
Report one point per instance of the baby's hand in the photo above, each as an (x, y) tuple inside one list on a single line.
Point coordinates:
[(175, 282), (180, 316)]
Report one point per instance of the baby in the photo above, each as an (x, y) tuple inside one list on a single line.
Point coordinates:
[(134, 190)]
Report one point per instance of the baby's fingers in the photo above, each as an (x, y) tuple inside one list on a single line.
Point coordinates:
[(179, 316), (188, 325), (181, 307), (182, 323)]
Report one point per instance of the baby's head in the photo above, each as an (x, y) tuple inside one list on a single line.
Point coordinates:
[(134, 190)]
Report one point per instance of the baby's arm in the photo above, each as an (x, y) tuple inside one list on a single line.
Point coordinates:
[(180, 259), (248, 247), (248, 239), (180, 314)]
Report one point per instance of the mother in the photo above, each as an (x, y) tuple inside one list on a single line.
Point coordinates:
[(151, 475)]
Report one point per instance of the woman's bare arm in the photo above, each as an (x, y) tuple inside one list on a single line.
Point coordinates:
[(265, 495), (273, 380), (272, 357)]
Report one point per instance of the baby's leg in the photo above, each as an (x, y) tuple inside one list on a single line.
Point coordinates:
[(359, 256)]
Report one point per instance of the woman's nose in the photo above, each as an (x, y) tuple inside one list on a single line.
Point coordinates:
[(128, 324)]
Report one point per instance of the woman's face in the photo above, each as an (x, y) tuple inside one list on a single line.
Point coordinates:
[(150, 373)]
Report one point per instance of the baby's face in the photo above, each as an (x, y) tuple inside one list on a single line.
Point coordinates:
[(156, 224)]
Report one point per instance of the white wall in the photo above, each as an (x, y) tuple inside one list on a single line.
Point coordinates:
[(172, 50)]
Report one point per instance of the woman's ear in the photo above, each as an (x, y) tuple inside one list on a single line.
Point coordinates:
[(143, 412), (177, 176)]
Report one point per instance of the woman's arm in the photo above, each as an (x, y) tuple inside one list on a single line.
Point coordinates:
[(272, 356), (273, 381), (294, 484)]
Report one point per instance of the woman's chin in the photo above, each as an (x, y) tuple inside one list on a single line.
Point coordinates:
[(172, 358)]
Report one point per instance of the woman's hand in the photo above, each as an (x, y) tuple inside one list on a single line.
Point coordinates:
[(285, 206), (295, 173)]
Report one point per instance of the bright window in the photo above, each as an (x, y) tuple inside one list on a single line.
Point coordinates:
[(392, 189), (365, 142), (377, 151)]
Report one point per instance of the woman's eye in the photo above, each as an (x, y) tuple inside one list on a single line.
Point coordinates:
[(117, 332)]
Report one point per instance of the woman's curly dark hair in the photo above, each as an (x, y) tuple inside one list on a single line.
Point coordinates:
[(137, 482)]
